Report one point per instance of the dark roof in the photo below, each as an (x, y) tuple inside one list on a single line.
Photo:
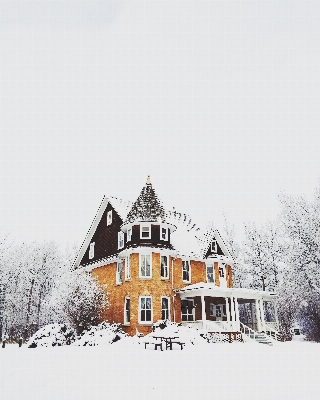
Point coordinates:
[(147, 207)]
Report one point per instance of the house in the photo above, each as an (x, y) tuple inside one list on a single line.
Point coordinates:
[(157, 264)]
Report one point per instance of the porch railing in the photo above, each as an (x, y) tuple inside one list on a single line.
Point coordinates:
[(248, 331)]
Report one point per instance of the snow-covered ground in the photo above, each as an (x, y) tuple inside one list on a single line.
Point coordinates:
[(126, 370)]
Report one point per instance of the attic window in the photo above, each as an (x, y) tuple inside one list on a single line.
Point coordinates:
[(214, 246), (145, 232), (91, 250), (120, 240), (109, 218)]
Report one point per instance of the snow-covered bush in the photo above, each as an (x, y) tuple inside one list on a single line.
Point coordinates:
[(164, 324), (102, 334), (52, 335)]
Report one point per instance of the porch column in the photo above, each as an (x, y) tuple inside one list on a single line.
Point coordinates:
[(228, 312), (262, 316), (236, 306), (258, 316), (233, 314), (203, 311), (276, 314)]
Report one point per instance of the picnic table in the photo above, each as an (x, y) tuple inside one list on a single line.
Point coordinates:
[(169, 340)]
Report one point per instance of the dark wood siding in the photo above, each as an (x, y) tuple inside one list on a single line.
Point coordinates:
[(154, 241), (105, 237), (219, 251)]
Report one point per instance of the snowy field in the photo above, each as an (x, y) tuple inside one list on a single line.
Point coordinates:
[(126, 370)]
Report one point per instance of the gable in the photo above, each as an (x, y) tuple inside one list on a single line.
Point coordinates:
[(218, 252), (105, 237)]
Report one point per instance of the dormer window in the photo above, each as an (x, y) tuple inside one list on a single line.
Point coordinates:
[(129, 234), (214, 246), (145, 232), (91, 250), (120, 240), (109, 218), (164, 234)]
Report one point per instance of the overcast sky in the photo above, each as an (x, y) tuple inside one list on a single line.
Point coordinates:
[(219, 101)]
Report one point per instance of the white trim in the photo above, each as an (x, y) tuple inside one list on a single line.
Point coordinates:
[(119, 273), (169, 305), (168, 275), (129, 237), (188, 261), (127, 276), (139, 311), (142, 225), (125, 322), (213, 272), (91, 250), (109, 218), (120, 240), (140, 265), (167, 232)]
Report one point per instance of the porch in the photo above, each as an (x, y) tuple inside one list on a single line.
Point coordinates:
[(214, 309)]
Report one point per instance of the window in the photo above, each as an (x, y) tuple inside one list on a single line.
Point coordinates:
[(91, 250), (129, 234), (210, 277), (214, 246), (212, 313), (145, 266), (127, 268), (221, 272), (119, 273), (145, 232), (185, 271), (187, 310), (145, 309), (164, 267), (120, 240), (165, 303), (218, 311), (109, 218), (127, 310), (164, 234)]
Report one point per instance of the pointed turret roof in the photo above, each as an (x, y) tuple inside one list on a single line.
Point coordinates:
[(147, 207)]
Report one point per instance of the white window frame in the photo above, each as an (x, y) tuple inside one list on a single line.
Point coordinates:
[(129, 236), (193, 313), (109, 217), (167, 266), (91, 250), (125, 319), (119, 273), (149, 322), (162, 309), (212, 310), (209, 265), (188, 262), (166, 234), (214, 246), (141, 257), (127, 268), (120, 240), (141, 230)]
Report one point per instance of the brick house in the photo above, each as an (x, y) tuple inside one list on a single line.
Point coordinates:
[(157, 264)]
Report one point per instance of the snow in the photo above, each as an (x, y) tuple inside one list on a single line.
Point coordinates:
[(126, 370)]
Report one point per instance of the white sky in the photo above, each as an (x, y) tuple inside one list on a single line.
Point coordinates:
[(217, 100)]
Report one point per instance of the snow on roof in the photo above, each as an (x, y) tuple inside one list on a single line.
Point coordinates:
[(121, 206), (184, 239)]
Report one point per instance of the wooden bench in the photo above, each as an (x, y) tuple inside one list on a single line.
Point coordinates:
[(156, 345)]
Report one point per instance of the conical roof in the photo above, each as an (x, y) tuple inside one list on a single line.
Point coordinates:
[(147, 207)]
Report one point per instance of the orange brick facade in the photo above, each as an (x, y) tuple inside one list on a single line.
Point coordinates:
[(156, 287)]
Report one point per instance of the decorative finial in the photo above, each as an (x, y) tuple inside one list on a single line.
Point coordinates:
[(148, 180)]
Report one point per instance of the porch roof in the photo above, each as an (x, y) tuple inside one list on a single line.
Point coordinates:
[(210, 289)]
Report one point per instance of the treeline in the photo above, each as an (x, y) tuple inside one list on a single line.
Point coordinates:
[(284, 257), (38, 286)]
